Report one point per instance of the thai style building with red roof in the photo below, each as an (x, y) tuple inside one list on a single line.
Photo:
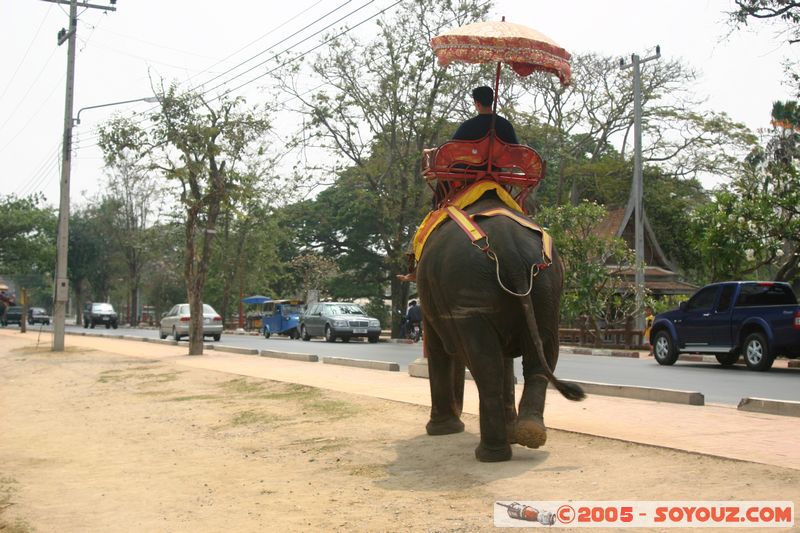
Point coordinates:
[(660, 278)]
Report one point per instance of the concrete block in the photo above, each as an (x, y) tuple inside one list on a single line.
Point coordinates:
[(362, 363), (235, 349), (619, 353), (772, 407), (642, 393), (169, 342), (292, 356)]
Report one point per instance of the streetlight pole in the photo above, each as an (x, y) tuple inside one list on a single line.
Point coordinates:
[(62, 286), (62, 239), (638, 182), (145, 99)]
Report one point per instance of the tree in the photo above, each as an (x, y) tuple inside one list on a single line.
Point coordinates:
[(199, 148), (590, 123), (754, 228), (786, 12), (593, 286), (380, 104), (27, 235), (91, 254)]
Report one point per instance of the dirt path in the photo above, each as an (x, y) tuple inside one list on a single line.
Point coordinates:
[(91, 441)]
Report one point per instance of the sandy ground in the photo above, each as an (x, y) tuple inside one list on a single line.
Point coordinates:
[(93, 441)]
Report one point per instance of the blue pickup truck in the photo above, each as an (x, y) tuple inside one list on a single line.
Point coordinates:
[(758, 320)]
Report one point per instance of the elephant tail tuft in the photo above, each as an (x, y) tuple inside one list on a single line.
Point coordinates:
[(570, 391)]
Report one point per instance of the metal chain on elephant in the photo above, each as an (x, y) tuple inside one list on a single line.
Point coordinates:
[(535, 269)]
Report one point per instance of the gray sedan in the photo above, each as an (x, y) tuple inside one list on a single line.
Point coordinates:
[(342, 320), (176, 322)]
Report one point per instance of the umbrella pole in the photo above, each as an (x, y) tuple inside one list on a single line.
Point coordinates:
[(492, 133)]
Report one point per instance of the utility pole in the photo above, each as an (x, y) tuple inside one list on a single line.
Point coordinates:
[(637, 189), (62, 285)]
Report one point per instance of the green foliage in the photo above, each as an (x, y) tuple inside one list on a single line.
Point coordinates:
[(593, 286), (382, 102), (753, 228), (203, 150), (27, 236), (377, 308)]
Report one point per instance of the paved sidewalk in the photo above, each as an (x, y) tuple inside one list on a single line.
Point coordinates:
[(711, 429)]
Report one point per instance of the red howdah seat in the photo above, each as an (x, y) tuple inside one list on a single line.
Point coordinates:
[(456, 163)]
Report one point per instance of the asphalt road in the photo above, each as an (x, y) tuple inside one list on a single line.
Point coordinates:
[(719, 385)]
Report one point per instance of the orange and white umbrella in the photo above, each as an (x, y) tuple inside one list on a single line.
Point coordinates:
[(524, 49)]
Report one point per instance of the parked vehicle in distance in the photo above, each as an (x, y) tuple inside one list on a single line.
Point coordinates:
[(282, 317), (341, 320), (758, 320), (38, 315), (99, 313), (13, 315), (176, 322)]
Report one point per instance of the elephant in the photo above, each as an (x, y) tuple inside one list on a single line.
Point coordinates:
[(471, 321)]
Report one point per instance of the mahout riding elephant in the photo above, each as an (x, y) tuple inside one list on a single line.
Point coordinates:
[(471, 320)]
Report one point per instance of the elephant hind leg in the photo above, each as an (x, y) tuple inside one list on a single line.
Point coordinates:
[(531, 433), (530, 429)]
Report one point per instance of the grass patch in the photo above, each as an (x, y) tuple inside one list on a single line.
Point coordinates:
[(164, 392), (241, 386), (165, 377), (8, 487), (374, 471), (119, 375), (331, 409), (192, 398), (292, 392), (246, 418)]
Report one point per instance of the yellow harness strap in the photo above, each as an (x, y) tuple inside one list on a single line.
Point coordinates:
[(547, 240), (469, 196)]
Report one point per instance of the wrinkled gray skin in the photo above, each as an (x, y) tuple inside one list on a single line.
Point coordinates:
[(469, 320)]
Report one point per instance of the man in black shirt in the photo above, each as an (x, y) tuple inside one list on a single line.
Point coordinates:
[(477, 127)]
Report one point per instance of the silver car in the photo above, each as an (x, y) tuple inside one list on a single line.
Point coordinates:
[(176, 322), (341, 320)]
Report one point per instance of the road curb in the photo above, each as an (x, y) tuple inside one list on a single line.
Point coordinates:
[(288, 355), (772, 407), (642, 393), (362, 363), (602, 352), (419, 369), (234, 349)]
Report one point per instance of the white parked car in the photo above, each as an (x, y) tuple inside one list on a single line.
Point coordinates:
[(176, 323)]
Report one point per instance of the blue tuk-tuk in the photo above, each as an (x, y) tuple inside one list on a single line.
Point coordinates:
[(282, 317)]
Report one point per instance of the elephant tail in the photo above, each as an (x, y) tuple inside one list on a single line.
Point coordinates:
[(570, 391)]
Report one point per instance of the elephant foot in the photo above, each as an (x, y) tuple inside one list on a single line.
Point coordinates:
[(531, 433), (511, 432), (445, 427), (485, 454)]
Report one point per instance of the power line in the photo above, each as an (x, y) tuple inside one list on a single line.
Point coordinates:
[(25, 56), (282, 24), (301, 55)]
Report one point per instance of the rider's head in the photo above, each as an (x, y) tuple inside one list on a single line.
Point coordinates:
[(412, 303), (483, 95)]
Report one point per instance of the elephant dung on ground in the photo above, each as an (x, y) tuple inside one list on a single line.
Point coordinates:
[(471, 321)]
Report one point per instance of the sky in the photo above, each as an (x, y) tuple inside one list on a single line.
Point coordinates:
[(196, 42)]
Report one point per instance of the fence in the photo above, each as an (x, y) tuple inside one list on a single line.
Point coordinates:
[(625, 337)]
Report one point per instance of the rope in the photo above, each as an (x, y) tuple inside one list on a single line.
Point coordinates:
[(534, 271)]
